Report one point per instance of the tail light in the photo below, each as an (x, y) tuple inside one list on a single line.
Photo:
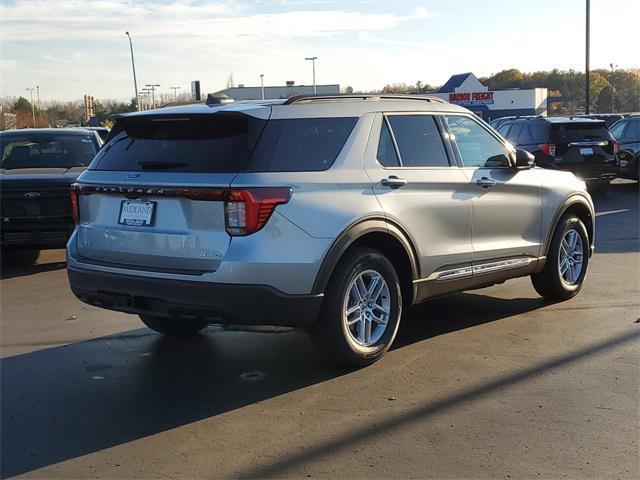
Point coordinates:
[(75, 210), (616, 148), (548, 149), (247, 210)]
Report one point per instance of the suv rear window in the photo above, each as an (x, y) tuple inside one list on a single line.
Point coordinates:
[(301, 144), (37, 150), (565, 133), (219, 143)]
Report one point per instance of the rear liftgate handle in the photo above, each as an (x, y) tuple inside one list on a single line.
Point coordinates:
[(393, 182)]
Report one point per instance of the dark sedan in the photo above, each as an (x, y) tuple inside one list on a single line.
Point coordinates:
[(37, 167)]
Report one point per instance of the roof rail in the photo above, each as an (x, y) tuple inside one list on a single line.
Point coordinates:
[(366, 96)]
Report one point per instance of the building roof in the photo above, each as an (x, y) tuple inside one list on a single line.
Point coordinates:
[(454, 82)]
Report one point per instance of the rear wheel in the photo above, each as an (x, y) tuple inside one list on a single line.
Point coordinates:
[(362, 308), (567, 261), (173, 326)]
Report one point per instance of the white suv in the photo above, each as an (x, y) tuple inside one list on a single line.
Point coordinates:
[(329, 213)]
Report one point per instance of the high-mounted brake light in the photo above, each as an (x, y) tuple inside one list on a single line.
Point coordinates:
[(247, 210), (548, 149), (75, 210)]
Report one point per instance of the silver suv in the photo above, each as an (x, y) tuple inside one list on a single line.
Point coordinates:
[(328, 213)]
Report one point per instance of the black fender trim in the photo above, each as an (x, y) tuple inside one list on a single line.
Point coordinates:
[(570, 201), (352, 234)]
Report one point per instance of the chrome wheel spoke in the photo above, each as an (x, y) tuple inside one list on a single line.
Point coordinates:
[(571, 257), (353, 309)]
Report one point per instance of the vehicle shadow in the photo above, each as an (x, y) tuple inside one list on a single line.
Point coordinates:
[(22, 263), (64, 402)]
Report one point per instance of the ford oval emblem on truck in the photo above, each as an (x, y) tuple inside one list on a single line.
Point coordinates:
[(32, 195)]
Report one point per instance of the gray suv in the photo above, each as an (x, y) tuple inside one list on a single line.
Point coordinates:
[(329, 213)]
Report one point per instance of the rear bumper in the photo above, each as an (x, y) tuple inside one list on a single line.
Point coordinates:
[(218, 302), (590, 173)]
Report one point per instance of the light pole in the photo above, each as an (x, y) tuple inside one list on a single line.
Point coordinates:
[(262, 85), (175, 92), (152, 87), (313, 64), (33, 109), (133, 66), (613, 89), (587, 86), (38, 92), (142, 94)]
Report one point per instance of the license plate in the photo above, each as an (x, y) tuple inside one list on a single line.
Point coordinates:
[(136, 213), (586, 151)]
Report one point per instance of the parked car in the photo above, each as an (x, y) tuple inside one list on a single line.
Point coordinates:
[(582, 146), (37, 167), (103, 132), (329, 213), (627, 132), (608, 118)]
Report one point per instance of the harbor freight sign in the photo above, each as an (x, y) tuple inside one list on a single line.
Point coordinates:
[(471, 98)]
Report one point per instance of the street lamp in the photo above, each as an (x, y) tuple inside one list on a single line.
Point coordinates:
[(152, 87), (262, 85), (133, 66), (313, 63), (33, 109), (613, 89), (175, 92)]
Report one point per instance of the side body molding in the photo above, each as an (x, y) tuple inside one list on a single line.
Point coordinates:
[(351, 235)]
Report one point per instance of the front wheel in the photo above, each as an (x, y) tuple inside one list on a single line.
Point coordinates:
[(362, 308), (567, 261), (173, 326)]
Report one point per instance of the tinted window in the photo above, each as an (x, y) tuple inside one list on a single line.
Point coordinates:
[(514, 133), (35, 150), (387, 156), (200, 143), (419, 141), (565, 133), (537, 133), (477, 147), (301, 144), (633, 132), (504, 130), (618, 129)]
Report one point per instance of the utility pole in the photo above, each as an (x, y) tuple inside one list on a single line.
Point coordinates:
[(587, 86), (147, 96), (38, 91), (133, 66), (313, 63), (152, 87), (262, 85), (33, 108), (175, 92), (613, 89)]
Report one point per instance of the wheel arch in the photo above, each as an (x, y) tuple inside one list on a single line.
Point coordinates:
[(378, 233), (581, 207)]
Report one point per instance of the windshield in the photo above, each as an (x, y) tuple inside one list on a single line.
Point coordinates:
[(35, 150)]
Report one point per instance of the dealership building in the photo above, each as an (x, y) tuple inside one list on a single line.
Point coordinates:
[(466, 90)]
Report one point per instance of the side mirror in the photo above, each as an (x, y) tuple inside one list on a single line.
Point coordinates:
[(523, 159)]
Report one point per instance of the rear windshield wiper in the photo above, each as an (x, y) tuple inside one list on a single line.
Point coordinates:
[(159, 165)]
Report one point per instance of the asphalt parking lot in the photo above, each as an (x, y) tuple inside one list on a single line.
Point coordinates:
[(492, 383)]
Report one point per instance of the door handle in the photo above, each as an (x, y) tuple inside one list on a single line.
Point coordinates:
[(393, 182), (485, 182)]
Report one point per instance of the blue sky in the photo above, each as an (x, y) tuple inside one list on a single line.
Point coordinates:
[(75, 47)]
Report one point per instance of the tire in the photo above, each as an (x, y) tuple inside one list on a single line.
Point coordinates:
[(173, 326), (550, 283), (358, 345)]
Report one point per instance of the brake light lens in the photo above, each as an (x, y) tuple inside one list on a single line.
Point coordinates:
[(616, 148), (548, 149), (75, 210), (247, 210)]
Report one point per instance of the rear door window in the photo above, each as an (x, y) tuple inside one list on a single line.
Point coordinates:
[(301, 144), (419, 141), (218, 143), (477, 147), (618, 130)]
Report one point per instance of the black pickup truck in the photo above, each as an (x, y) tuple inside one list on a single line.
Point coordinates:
[(37, 167)]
